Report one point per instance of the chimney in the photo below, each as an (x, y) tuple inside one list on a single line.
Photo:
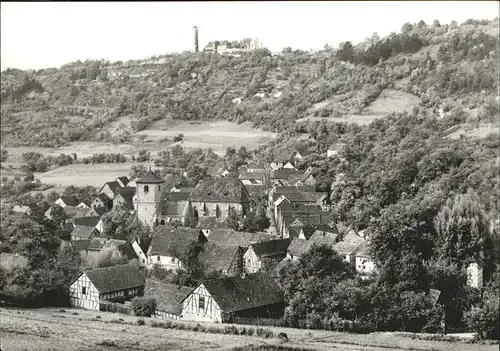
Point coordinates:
[(195, 29)]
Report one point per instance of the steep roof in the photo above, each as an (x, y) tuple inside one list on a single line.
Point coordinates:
[(271, 248), (210, 222), (101, 210), (127, 193), (112, 185), (103, 197), (168, 297), (220, 190), (298, 247), (82, 231), (284, 173), (80, 245), (150, 178), (244, 292), (69, 200), (116, 278), (218, 257), (323, 238), (285, 189), (87, 221), (124, 180), (242, 239), (170, 241), (175, 196), (302, 196)]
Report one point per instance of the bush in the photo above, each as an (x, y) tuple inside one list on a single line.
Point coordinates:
[(178, 137), (140, 321), (484, 319), (143, 307)]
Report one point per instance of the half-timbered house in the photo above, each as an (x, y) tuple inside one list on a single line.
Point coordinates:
[(116, 283), (270, 253), (168, 298), (247, 295)]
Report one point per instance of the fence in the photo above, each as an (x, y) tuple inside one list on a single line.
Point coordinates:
[(107, 306), (343, 326)]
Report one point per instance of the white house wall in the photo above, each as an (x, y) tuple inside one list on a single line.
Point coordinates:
[(89, 300), (191, 310)]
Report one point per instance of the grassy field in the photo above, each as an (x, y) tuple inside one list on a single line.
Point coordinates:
[(70, 329), (387, 102)]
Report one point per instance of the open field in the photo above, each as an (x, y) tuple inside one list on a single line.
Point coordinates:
[(83, 175), (217, 135), (480, 132), (388, 101), (52, 329)]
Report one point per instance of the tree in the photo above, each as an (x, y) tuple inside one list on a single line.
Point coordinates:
[(462, 229), (178, 137), (58, 215), (143, 306), (4, 155), (407, 27), (138, 171), (483, 318)]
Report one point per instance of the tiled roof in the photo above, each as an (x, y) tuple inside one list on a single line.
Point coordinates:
[(294, 189), (298, 247), (69, 200), (170, 241), (271, 248), (103, 197), (124, 180), (175, 196), (116, 278), (80, 245), (209, 222), (101, 210), (82, 231), (227, 190), (244, 292), (302, 196), (284, 173), (98, 244), (216, 257), (242, 239), (150, 178), (168, 297), (87, 221), (323, 238), (112, 185), (127, 193)]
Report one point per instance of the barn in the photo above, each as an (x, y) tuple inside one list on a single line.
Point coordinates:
[(246, 295), (116, 284)]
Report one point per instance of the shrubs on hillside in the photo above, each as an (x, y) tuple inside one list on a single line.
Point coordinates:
[(144, 307)]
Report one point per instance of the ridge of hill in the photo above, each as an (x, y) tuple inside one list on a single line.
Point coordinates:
[(447, 69)]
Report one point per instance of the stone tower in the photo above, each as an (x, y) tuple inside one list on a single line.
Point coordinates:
[(149, 190), (195, 30)]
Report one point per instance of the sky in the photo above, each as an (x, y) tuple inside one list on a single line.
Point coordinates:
[(50, 34)]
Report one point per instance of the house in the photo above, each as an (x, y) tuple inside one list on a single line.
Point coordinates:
[(250, 178), (364, 264), (10, 261), (22, 210), (207, 224), (102, 201), (475, 275), (276, 165), (168, 298), (217, 197), (288, 165), (300, 155), (82, 205), (219, 172), (284, 174), (174, 208), (241, 239), (64, 201), (246, 295), (280, 189), (87, 212), (69, 211), (259, 255), (98, 246), (95, 222), (169, 244), (122, 181), (133, 183), (334, 149), (116, 283), (299, 245), (140, 249), (256, 167), (222, 259), (297, 248), (81, 232), (124, 198), (348, 247), (110, 189)]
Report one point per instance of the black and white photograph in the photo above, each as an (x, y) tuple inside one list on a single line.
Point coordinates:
[(250, 176)]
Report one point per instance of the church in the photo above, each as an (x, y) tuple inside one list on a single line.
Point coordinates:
[(210, 198)]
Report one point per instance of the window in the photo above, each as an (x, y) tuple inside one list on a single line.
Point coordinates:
[(146, 189), (159, 187), (201, 303), (158, 258), (125, 292), (84, 290)]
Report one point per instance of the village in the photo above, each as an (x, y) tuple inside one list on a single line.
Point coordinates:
[(246, 265)]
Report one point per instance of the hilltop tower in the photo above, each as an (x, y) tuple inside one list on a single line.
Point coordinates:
[(195, 30), (149, 190)]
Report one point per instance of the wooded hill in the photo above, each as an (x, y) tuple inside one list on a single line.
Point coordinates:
[(446, 69)]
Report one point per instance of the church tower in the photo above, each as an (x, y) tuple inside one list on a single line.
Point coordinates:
[(149, 190)]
